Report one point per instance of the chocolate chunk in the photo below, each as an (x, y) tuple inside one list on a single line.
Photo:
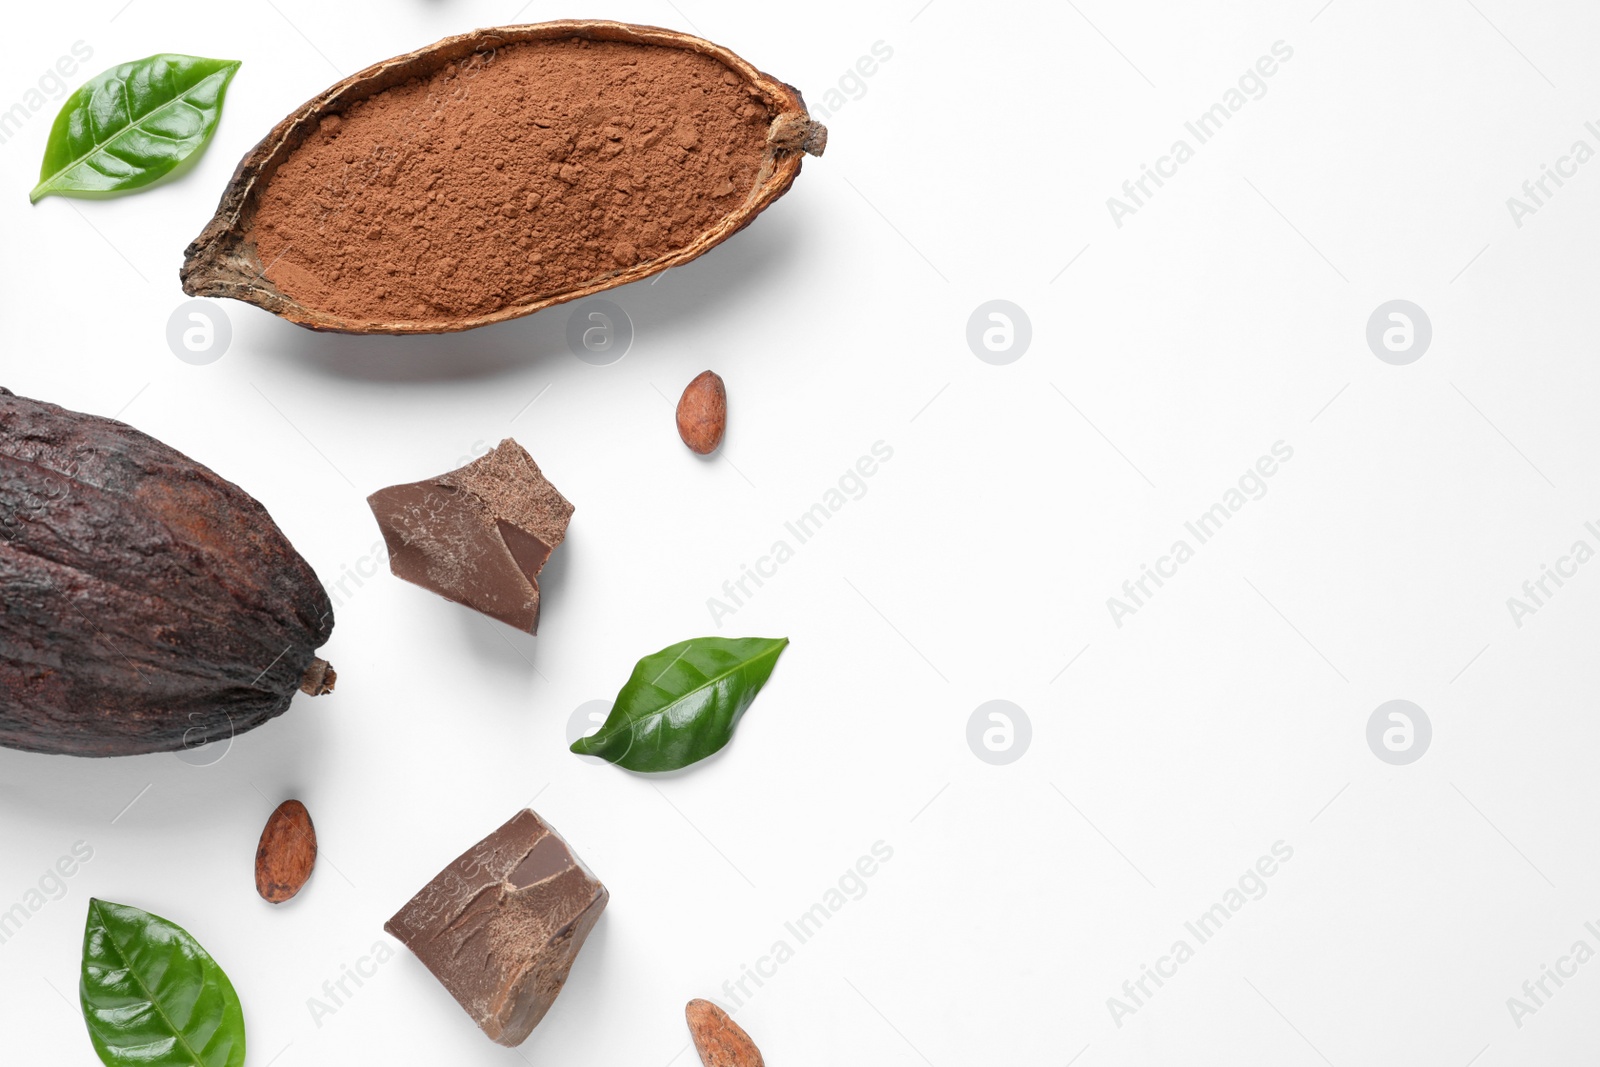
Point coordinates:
[(478, 535), (501, 925)]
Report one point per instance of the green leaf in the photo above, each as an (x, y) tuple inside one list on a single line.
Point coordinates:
[(152, 997), (682, 703), (133, 124)]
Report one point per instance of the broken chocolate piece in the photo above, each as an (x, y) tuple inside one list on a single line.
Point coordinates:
[(501, 925), (479, 535)]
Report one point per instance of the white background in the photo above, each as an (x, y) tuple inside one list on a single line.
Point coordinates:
[(1167, 754)]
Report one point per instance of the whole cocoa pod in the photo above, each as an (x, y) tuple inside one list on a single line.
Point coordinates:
[(146, 604)]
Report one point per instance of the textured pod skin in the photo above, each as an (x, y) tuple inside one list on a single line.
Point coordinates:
[(146, 604)]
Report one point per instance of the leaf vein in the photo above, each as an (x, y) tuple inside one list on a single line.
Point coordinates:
[(138, 979), (210, 115)]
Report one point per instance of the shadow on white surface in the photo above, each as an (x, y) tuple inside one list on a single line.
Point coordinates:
[(693, 293), (283, 753), (499, 648), (553, 578)]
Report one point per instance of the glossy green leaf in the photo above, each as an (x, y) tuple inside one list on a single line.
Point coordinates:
[(133, 124), (152, 997), (682, 703)]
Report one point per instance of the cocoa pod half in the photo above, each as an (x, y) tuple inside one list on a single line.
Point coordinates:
[(146, 604), (414, 159)]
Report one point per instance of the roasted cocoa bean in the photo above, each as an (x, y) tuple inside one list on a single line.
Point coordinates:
[(286, 854), (720, 1041), (703, 413)]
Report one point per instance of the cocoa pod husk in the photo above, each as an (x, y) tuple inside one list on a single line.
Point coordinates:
[(149, 605), (286, 854), (223, 261)]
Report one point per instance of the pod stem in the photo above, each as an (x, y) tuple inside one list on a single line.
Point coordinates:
[(318, 679), (795, 131)]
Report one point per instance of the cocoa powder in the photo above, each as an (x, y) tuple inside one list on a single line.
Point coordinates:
[(538, 167)]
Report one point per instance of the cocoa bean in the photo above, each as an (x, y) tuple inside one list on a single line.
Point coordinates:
[(719, 1040), (568, 246), (148, 604), (287, 852), (703, 413)]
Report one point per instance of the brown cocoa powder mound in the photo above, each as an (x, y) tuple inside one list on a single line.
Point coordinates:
[(537, 168)]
